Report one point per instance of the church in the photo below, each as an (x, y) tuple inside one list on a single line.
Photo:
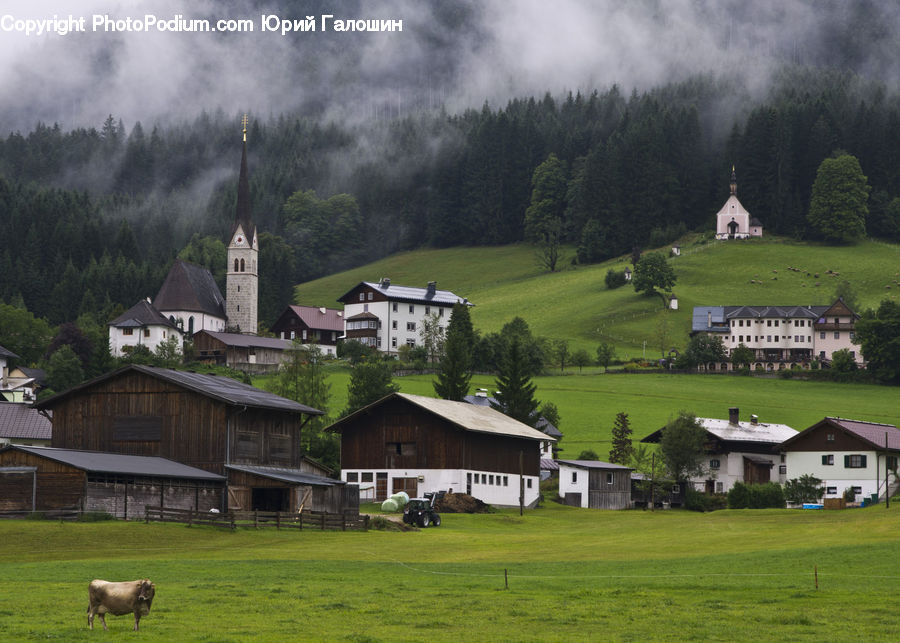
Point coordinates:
[(190, 301), (733, 221)]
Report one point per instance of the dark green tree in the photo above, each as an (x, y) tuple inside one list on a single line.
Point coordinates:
[(455, 371), (302, 378), (23, 334), (580, 358), (878, 336), (549, 412), (588, 454), (702, 349), (605, 354), (654, 276), (682, 446), (515, 390), (838, 207), (842, 361), (544, 217), (621, 440), (64, 369), (742, 356), (369, 382), (806, 488)]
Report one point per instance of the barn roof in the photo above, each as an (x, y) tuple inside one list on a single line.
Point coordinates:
[(116, 463), (21, 422), (191, 288), (240, 340), (479, 419), (870, 432), (762, 432), (542, 424), (294, 476), (216, 387), (594, 464)]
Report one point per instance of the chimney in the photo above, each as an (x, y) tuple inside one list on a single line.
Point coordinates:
[(432, 286), (709, 319), (754, 419), (733, 415), (385, 282)]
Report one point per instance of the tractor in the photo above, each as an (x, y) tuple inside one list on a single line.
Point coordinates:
[(421, 512)]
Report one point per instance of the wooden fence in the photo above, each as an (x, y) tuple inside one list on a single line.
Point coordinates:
[(256, 519)]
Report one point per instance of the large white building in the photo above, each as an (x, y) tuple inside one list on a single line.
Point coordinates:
[(141, 325), (780, 336), (388, 316), (733, 221), (846, 454)]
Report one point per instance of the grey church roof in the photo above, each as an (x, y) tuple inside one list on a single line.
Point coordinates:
[(190, 288), (216, 387), (115, 463), (141, 314)]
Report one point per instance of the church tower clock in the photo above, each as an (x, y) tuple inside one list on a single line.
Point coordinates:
[(242, 280)]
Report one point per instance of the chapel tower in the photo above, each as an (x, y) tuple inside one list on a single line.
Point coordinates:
[(242, 281)]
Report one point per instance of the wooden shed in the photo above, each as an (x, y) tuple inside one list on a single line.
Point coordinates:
[(275, 489), (595, 484), (44, 479), (249, 353)]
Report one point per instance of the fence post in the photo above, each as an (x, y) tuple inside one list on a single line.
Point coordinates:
[(323, 521), (366, 522), (256, 518), (277, 520), (301, 521), (190, 517)]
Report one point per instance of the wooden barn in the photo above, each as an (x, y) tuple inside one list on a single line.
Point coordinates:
[(46, 479), (248, 353), (200, 420), (595, 484), (418, 444)]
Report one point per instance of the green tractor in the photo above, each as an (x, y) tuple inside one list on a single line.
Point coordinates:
[(421, 512)]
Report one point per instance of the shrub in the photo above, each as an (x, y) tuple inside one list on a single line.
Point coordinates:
[(696, 501), (756, 496), (849, 495), (615, 279)]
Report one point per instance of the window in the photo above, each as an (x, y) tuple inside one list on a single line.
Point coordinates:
[(609, 478), (242, 265), (741, 322), (394, 324), (822, 335), (837, 334), (370, 296), (720, 487), (394, 306), (483, 478), (528, 483), (892, 462), (490, 479), (854, 461), (782, 469), (830, 491), (768, 338), (427, 310), (714, 464), (852, 335), (857, 490), (393, 342), (411, 343), (362, 296), (505, 481), (574, 476), (440, 312), (821, 354), (365, 308), (411, 326), (367, 476), (352, 476), (776, 323), (829, 437), (828, 460), (146, 332), (128, 331), (769, 323)]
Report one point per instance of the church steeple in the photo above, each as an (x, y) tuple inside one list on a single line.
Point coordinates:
[(733, 181), (242, 214), (242, 280)]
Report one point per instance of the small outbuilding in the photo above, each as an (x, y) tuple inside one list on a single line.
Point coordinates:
[(593, 484)]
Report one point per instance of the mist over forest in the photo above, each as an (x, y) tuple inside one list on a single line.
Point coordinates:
[(119, 151)]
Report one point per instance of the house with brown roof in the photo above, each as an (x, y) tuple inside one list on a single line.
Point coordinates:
[(141, 325), (311, 326), (846, 454), (248, 353)]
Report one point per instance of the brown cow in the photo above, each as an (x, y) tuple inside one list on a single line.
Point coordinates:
[(120, 598)]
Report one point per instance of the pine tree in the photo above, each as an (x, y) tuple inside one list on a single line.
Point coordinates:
[(455, 370), (369, 382), (621, 440), (515, 391)]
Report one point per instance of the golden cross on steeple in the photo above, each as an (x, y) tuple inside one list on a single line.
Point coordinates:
[(244, 123)]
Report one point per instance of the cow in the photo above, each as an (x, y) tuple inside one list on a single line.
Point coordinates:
[(120, 598)]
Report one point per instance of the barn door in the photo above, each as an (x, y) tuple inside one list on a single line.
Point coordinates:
[(409, 485)]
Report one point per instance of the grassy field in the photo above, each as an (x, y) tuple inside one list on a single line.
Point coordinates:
[(588, 403), (573, 574), (574, 303)]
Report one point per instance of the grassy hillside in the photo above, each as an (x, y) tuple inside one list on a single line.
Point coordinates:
[(573, 574), (575, 304)]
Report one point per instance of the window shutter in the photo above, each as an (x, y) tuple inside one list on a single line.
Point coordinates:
[(846, 461), (862, 461), (824, 459)]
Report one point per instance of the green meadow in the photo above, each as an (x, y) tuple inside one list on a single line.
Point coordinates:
[(574, 303), (555, 574)]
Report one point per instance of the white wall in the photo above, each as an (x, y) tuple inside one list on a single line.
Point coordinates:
[(731, 470), (578, 485), (157, 335), (384, 310), (868, 478)]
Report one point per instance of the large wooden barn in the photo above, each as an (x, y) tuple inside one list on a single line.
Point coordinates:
[(210, 422), (419, 444), (46, 479)]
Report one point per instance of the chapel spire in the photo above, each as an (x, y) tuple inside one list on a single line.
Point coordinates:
[(242, 215), (733, 181)]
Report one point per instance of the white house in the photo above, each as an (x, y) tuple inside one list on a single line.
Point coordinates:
[(738, 452), (419, 444), (595, 484), (191, 299), (388, 316), (140, 325), (846, 454)]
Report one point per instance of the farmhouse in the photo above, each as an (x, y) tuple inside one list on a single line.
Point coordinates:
[(419, 444), (21, 424), (43, 479), (846, 454), (311, 326), (247, 353), (219, 425), (738, 452), (140, 325), (779, 336), (22, 384), (594, 484), (388, 316)]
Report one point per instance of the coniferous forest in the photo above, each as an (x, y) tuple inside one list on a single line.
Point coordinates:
[(92, 218)]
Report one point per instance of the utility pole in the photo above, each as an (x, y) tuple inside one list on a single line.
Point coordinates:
[(521, 483), (652, 481), (887, 489)]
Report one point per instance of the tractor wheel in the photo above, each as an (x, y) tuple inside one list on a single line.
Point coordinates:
[(436, 520), (424, 521)]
